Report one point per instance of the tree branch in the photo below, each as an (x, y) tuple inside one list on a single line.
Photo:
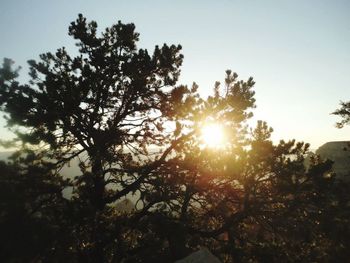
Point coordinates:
[(145, 170)]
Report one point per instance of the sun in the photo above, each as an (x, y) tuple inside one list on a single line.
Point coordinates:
[(213, 135)]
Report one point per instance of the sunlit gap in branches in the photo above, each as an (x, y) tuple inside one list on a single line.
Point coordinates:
[(213, 136)]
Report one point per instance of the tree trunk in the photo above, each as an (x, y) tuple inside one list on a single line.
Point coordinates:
[(177, 241), (98, 202)]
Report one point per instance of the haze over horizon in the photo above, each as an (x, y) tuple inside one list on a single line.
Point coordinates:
[(297, 52)]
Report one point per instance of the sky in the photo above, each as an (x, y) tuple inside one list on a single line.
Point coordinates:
[(298, 52)]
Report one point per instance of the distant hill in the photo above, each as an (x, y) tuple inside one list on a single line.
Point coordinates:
[(72, 170), (68, 171), (339, 152), (5, 155)]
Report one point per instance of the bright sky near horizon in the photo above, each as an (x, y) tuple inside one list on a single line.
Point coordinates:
[(297, 51)]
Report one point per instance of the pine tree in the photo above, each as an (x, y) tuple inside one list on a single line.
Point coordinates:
[(106, 106)]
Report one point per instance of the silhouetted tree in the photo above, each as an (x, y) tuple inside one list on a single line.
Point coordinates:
[(34, 223), (105, 106), (250, 201), (116, 109), (173, 191)]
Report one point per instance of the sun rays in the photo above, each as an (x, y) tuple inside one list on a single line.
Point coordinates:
[(213, 135)]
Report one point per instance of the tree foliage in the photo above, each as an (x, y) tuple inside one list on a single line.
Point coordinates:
[(117, 110), (33, 213), (344, 113)]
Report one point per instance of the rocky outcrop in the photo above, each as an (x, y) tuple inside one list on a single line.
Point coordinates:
[(201, 256), (339, 153)]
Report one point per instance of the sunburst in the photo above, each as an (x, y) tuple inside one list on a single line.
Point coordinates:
[(213, 135)]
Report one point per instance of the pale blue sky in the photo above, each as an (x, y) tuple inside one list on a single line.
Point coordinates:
[(297, 51)]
